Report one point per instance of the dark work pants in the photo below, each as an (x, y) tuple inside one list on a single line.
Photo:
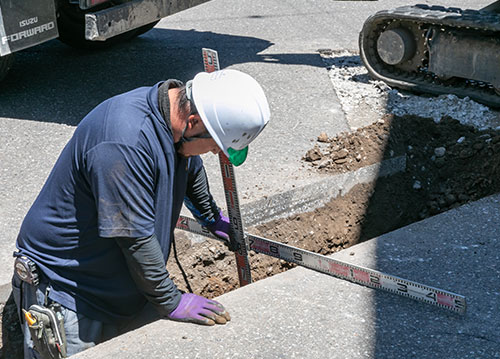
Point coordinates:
[(81, 332)]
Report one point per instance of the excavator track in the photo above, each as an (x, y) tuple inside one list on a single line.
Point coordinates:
[(437, 50)]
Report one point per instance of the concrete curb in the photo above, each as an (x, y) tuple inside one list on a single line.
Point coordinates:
[(309, 197), (317, 194)]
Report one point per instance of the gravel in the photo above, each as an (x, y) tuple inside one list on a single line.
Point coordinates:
[(358, 93)]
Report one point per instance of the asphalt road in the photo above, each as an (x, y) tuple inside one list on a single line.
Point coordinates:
[(51, 87)]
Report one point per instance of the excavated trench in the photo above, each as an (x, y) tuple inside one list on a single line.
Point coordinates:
[(447, 164)]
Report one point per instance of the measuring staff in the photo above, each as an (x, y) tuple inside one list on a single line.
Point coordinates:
[(99, 234)]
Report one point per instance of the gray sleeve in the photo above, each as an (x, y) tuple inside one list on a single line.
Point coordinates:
[(147, 267), (199, 200)]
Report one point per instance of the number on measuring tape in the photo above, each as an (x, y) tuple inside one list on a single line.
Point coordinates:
[(402, 287)]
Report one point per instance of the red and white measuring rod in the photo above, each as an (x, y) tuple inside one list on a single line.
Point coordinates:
[(357, 274), (211, 64)]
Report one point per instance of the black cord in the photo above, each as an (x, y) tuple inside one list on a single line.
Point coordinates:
[(180, 267)]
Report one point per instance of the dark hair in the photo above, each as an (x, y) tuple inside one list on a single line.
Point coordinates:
[(182, 99)]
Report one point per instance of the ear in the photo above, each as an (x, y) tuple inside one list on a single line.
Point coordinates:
[(194, 120)]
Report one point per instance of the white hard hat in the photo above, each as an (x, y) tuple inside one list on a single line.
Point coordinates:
[(233, 108)]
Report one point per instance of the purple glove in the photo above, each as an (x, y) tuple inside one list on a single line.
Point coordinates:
[(221, 228), (196, 309)]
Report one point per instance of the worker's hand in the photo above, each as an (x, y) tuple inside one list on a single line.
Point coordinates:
[(221, 229), (196, 309)]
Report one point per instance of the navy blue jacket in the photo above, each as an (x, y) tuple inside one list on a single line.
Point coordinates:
[(119, 176)]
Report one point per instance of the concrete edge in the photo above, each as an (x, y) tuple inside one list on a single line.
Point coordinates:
[(317, 194), (311, 196)]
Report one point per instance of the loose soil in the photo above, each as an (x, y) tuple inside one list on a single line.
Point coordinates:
[(447, 164)]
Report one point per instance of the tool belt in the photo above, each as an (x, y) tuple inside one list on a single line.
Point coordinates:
[(45, 322)]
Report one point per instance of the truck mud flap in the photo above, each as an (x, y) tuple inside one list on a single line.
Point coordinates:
[(25, 23)]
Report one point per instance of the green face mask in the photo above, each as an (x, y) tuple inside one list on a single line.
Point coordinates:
[(237, 157)]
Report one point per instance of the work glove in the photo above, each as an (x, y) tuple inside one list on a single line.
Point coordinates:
[(196, 309), (221, 228)]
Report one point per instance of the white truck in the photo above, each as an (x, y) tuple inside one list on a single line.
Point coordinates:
[(88, 24)]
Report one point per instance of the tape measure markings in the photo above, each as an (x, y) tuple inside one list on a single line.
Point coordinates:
[(333, 267), (211, 64)]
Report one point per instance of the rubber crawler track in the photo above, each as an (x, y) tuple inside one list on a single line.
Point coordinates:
[(421, 18)]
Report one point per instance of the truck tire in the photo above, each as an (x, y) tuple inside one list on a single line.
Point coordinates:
[(71, 24), (5, 65)]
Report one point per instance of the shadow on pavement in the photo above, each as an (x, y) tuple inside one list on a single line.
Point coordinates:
[(55, 83), (466, 172), (12, 340)]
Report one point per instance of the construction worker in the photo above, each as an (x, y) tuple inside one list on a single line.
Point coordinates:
[(99, 234)]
